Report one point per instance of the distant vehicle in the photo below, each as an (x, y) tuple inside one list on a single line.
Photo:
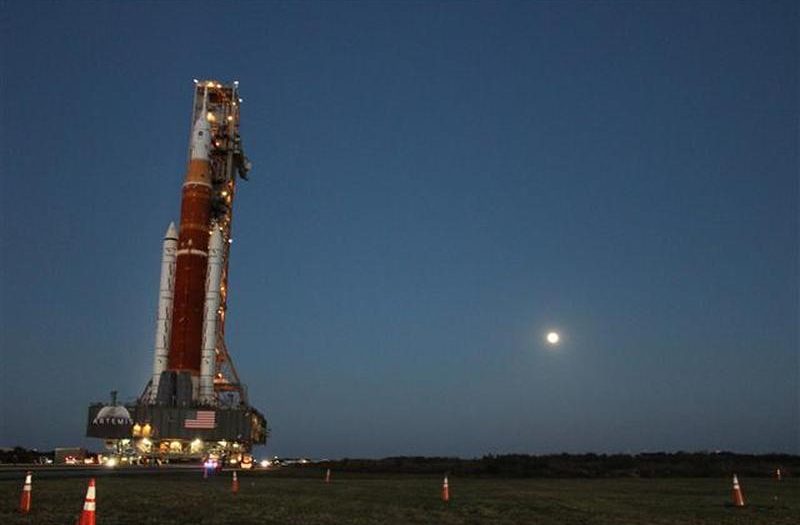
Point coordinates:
[(212, 463), (275, 462)]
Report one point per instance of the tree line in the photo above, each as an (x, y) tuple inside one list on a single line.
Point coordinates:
[(645, 465)]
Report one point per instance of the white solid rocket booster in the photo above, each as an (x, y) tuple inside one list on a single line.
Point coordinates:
[(164, 317), (210, 317)]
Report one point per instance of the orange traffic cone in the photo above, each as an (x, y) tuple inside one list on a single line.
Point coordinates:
[(235, 483), (738, 499), (328, 476), (778, 474), (25, 498), (88, 514), (445, 490)]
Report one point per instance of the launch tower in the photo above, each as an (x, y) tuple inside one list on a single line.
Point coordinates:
[(194, 405)]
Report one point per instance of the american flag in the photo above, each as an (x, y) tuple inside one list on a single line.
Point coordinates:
[(202, 419)]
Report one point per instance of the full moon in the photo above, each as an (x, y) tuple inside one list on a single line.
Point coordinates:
[(553, 338)]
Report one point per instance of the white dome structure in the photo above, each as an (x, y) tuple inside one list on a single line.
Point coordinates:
[(113, 415)]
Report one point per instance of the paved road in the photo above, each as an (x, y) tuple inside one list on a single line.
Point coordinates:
[(85, 471)]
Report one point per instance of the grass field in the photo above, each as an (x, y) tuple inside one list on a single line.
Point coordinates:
[(275, 498)]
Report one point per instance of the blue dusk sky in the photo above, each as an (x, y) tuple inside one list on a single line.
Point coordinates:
[(436, 185)]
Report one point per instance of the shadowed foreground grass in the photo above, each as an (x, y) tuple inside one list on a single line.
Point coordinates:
[(274, 498)]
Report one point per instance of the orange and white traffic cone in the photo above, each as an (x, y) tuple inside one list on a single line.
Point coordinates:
[(445, 490), (88, 514), (738, 499), (328, 476), (25, 498), (778, 474), (235, 483)]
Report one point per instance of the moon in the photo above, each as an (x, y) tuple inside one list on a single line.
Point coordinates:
[(553, 338)]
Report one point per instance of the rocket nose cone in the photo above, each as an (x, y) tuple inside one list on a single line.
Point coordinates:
[(202, 123), (172, 232)]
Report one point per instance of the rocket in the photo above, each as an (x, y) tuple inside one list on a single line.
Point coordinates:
[(166, 292), (208, 357), (189, 295), (194, 392), (192, 255)]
